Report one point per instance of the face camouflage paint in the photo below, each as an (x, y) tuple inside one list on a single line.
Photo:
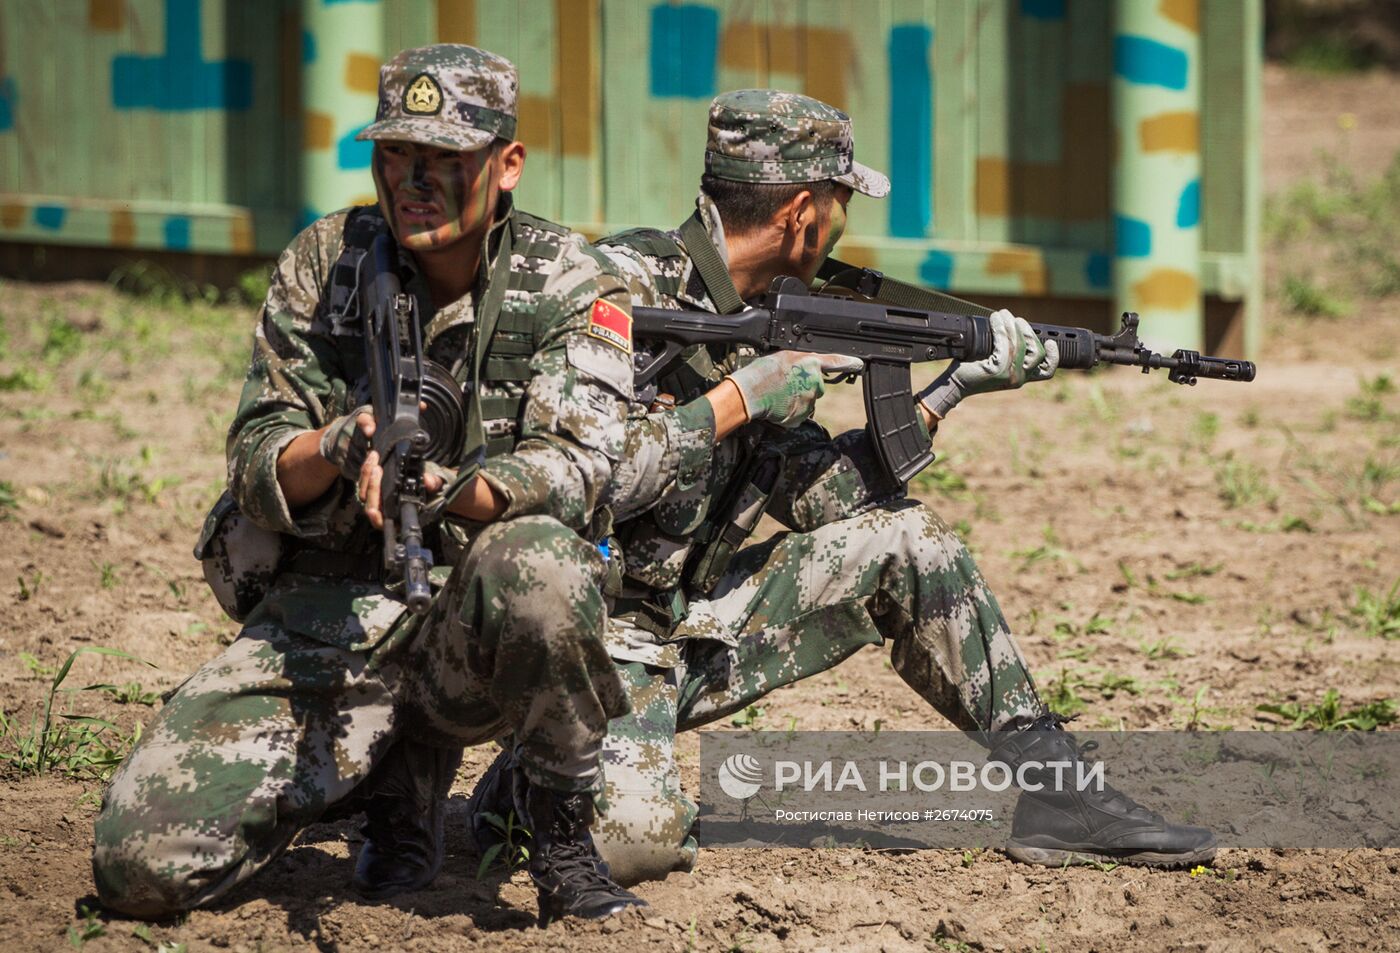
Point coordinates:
[(433, 197), (836, 227)]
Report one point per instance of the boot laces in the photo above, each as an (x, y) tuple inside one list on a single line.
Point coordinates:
[(1111, 795), (577, 861), (571, 857)]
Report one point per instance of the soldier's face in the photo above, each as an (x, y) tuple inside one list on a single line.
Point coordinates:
[(434, 197), (824, 233), (835, 221)]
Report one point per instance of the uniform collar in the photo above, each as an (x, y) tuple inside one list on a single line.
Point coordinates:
[(709, 214)]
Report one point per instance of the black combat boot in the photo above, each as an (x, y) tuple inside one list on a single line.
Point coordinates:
[(494, 797), (1056, 827), (572, 879), (405, 807)]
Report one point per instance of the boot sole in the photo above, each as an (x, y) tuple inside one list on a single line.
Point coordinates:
[(598, 913), (388, 893), (1057, 857), (376, 893)]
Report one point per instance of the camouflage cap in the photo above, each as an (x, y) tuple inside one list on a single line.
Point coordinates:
[(448, 95), (766, 135)]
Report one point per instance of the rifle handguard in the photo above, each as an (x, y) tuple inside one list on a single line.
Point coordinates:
[(416, 561)]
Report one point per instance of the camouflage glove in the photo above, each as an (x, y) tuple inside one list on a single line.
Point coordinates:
[(345, 445), (1017, 356), (783, 387)]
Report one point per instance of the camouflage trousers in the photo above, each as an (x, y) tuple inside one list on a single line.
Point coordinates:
[(794, 606), (298, 710)]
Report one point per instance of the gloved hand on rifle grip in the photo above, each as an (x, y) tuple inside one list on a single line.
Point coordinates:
[(346, 441), (1017, 356), (369, 484), (783, 387)]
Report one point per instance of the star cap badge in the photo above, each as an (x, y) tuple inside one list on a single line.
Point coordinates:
[(423, 96)]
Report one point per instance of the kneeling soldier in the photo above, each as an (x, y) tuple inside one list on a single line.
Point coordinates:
[(331, 679)]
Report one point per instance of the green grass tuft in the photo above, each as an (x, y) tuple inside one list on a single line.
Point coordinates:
[(1378, 613), (1302, 295), (74, 745), (1327, 714)]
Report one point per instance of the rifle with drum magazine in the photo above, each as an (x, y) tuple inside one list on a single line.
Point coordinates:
[(418, 418)]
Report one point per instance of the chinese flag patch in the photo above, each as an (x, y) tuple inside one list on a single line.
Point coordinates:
[(608, 322)]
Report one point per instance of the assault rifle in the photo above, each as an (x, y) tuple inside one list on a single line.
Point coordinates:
[(888, 338), (397, 384)]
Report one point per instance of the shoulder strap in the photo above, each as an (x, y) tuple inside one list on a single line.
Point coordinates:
[(487, 317), (887, 290), (710, 266), (648, 241), (342, 291)]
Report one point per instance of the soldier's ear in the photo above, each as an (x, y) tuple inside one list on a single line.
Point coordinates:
[(511, 161), (799, 213)]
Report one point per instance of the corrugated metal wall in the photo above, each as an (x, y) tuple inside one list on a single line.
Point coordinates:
[(183, 124)]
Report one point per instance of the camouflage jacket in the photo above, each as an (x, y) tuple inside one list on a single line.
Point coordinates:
[(673, 476), (557, 392)]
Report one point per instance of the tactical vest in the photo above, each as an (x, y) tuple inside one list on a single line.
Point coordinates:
[(680, 547), (696, 373), (241, 560), (506, 364)]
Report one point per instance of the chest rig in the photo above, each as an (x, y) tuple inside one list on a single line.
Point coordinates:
[(680, 548), (697, 369), (506, 321), (242, 560)]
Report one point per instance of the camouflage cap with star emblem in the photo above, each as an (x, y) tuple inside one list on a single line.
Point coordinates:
[(767, 135), (447, 95)]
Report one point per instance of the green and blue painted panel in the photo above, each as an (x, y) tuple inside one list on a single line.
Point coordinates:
[(221, 125)]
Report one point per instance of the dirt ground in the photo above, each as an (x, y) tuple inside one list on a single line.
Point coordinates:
[(1167, 556)]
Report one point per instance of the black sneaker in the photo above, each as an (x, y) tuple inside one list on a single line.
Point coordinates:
[(405, 809), (1054, 828), (573, 881)]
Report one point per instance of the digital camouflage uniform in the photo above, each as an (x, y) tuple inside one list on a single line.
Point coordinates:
[(861, 563), (329, 669)]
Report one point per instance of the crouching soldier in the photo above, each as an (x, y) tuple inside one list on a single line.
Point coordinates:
[(331, 679)]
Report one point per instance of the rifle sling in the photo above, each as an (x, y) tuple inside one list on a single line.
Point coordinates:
[(902, 294), (487, 317), (710, 265)]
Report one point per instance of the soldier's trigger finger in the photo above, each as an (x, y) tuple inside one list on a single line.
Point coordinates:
[(366, 476), (376, 518), (841, 368), (808, 372)]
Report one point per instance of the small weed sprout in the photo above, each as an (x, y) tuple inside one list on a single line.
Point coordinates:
[(76, 745)]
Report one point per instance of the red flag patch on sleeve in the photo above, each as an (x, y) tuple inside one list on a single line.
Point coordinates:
[(608, 322)]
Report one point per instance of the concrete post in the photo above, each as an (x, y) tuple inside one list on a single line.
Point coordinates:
[(342, 48), (1157, 178)]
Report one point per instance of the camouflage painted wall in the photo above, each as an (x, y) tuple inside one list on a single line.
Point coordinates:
[(220, 125)]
